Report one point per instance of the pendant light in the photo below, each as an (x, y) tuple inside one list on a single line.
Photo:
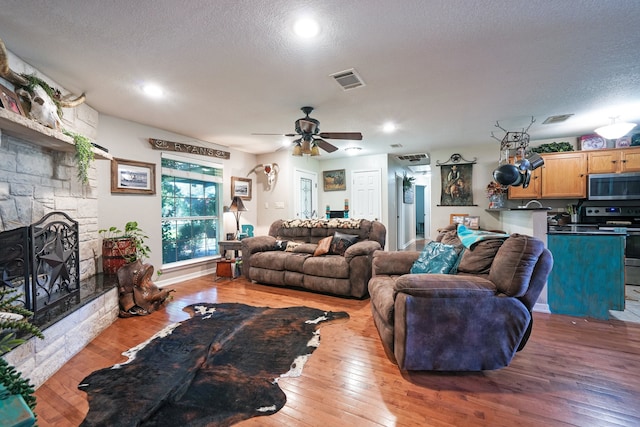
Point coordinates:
[(615, 130)]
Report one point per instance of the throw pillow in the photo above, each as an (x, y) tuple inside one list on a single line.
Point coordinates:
[(340, 242), (436, 258), (281, 245), (291, 246), (323, 246)]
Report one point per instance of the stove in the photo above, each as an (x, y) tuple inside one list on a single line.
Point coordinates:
[(622, 215)]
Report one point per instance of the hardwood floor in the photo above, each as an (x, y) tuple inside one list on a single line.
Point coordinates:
[(574, 371)]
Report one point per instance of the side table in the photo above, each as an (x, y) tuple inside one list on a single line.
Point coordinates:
[(229, 245)]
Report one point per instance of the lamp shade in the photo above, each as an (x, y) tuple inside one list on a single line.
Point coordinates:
[(237, 205), (615, 130)]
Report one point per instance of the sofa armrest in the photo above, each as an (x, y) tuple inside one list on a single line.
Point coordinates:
[(444, 286), (393, 263), (251, 245), (366, 247)]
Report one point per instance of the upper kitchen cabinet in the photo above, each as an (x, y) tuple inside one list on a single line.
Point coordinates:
[(564, 175), (533, 191), (614, 161)]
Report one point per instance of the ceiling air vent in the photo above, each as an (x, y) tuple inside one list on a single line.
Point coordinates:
[(556, 119), (413, 157), (348, 79)]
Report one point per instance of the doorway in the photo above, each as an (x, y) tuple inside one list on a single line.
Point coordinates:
[(305, 194), (366, 194)]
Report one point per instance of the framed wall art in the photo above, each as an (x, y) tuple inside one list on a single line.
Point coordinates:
[(128, 176), (456, 181), (457, 218), (334, 180), (10, 101), (241, 187)]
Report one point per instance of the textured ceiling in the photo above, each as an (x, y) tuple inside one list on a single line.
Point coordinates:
[(444, 70)]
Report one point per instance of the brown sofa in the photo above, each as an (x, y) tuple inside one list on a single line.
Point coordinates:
[(286, 256), (473, 320)]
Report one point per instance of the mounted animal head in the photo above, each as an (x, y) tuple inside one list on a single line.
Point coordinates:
[(42, 106)]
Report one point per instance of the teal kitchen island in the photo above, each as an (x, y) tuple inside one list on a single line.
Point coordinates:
[(587, 279)]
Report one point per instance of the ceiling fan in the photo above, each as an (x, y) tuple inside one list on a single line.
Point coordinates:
[(310, 137)]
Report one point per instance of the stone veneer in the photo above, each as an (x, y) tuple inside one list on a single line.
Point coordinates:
[(34, 181)]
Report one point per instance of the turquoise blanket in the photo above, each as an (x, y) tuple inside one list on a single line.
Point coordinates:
[(470, 237)]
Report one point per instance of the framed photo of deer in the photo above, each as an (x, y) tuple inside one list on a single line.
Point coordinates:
[(9, 100)]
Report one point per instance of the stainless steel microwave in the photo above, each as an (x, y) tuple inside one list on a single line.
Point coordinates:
[(614, 186)]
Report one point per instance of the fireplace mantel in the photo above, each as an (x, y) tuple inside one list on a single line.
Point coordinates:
[(31, 131)]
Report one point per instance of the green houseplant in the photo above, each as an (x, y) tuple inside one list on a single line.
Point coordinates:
[(122, 247), (14, 320), (84, 154)]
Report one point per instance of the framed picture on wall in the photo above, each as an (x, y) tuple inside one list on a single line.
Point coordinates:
[(10, 101), (128, 176), (334, 180), (241, 187)]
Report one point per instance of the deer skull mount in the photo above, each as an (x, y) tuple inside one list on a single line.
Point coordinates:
[(270, 170), (41, 106)]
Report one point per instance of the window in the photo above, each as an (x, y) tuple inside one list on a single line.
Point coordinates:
[(191, 214)]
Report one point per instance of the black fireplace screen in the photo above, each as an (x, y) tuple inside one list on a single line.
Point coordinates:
[(41, 263)]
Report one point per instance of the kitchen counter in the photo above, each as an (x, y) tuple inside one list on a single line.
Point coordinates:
[(586, 229)]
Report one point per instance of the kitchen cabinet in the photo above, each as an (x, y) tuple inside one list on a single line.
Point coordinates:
[(614, 161), (533, 191), (587, 278), (564, 175)]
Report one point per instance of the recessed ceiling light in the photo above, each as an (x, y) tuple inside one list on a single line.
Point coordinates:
[(152, 90), (306, 28), (389, 127), (352, 150)]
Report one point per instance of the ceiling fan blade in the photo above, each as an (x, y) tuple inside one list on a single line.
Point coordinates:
[(307, 126), (356, 136), (277, 134), (329, 148)]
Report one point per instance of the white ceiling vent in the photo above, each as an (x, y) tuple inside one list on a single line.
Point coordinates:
[(413, 157), (348, 79), (556, 119)]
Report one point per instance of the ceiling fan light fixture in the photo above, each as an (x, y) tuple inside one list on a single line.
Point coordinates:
[(615, 130), (315, 151), (297, 150), (306, 147)]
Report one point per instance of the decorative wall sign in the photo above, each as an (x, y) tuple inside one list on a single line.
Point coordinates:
[(160, 144), (128, 176), (456, 181)]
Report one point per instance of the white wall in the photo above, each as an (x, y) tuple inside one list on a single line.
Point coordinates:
[(129, 140)]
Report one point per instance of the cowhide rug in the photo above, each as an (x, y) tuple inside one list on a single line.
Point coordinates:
[(217, 368)]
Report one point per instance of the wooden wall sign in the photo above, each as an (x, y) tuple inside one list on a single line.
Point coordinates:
[(181, 147)]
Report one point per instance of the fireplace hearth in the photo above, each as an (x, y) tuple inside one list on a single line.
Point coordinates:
[(41, 262)]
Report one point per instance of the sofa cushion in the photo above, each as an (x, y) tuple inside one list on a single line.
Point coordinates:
[(514, 263), (323, 246), (340, 242), (478, 259), (327, 266), (273, 260), (436, 257)]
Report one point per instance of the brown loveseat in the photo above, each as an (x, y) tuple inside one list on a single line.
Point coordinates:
[(291, 255), (473, 320)]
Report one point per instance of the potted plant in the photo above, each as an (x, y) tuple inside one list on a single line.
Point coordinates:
[(15, 391), (123, 247), (407, 188)]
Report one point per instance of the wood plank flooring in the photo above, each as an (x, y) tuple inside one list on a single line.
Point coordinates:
[(573, 372)]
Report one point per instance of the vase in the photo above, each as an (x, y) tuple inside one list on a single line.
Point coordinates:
[(496, 201)]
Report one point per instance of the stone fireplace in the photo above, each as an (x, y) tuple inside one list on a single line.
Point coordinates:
[(38, 176)]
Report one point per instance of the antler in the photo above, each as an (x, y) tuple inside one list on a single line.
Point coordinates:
[(6, 72), (19, 80)]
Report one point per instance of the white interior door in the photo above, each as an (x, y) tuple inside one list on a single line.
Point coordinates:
[(365, 195), (305, 194)]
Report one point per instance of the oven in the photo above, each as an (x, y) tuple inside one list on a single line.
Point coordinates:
[(612, 215)]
